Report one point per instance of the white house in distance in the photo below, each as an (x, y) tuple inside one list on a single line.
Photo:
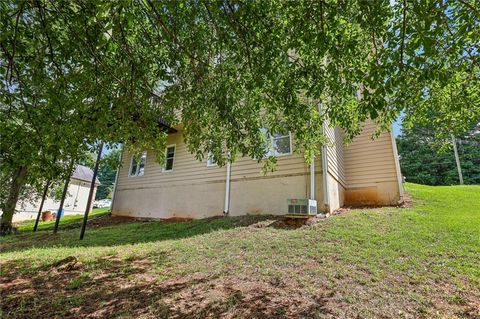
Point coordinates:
[(75, 202), (364, 173)]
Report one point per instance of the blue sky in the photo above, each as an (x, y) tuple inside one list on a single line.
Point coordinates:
[(397, 127)]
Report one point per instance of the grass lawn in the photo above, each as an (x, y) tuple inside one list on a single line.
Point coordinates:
[(386, 262), (70, 220)]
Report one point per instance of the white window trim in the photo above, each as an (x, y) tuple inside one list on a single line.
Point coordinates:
[(164, 170), (138, 166), (208, 160)]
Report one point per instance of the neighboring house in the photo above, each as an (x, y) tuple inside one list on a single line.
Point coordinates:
[(75, 202), (366, 172)]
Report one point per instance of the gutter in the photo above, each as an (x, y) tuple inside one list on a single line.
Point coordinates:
[(226, 207)]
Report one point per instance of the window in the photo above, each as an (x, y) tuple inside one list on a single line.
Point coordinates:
[(137, 167), (279, 144), (211, 161), (169, 156)]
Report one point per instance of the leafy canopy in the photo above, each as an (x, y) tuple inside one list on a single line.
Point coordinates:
[(74, 72)]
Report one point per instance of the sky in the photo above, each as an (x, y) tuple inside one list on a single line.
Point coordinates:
[(397, 125)]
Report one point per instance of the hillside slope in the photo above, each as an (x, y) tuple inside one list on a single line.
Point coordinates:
[(385, 262)]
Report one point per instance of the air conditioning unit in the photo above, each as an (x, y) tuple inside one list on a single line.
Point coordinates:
[(302, 206)]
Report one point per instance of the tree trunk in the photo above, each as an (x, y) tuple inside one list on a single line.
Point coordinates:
[(18, 180), (44, 196)]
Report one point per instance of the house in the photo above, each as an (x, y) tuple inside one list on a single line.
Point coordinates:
[(366, 172), (75, 202)]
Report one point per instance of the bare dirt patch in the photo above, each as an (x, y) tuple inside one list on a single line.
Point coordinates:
[(104, 221), (52, 294), (407, 201), (294, 223), (129, 289)]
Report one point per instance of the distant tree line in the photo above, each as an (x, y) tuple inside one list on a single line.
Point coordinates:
[(425, 160)]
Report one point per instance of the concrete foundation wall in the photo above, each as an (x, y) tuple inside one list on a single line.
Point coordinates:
[(266, 195), (336, 194), (185, 201), (382, 193)]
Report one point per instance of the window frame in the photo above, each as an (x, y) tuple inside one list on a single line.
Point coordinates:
[(164, 169), (270, 140), (144, 155), (273, 152)]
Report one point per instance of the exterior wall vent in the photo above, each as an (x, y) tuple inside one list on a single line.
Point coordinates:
[(302, 206)]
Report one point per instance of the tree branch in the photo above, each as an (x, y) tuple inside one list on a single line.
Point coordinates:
[(470, 6), (172, 36), (404, 27), (50, 46), (14, 45)]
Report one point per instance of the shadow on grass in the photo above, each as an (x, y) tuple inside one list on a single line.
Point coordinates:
[(106, 230), (101, 295), (125, 289)]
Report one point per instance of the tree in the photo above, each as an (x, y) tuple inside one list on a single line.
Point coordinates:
[(425, 161), (75, 72), (26, 160), (107, 174), (64, 86)]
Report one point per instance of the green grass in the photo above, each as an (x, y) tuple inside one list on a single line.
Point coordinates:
[(66, 220), (389, 262)]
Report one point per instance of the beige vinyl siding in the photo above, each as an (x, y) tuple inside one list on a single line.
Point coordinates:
[(187, 170), (369, 162), (246, 168), (335, 153)]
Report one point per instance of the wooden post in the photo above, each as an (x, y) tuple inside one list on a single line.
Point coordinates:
[(90, 194), (45, 191), (64, 194)]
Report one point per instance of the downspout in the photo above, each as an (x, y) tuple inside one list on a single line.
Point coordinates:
[(116, 182), (326, 201), (226, 207), (312, 177), (313, 194)]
